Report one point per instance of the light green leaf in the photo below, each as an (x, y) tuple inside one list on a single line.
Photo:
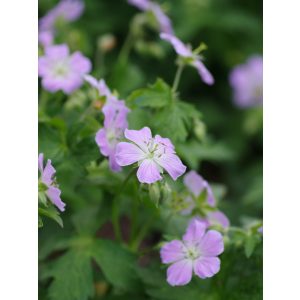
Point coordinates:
[(51, 213), (156, 96)]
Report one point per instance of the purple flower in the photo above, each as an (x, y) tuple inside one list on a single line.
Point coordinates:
[(61, 71), (68, 10), (247, 83), (197, 184), (152, 154), (100, 85), (197, 252), (189, 57), (162, 19), (115, 122), (45, 38), (47, 178), (215, 218), (260, 230)]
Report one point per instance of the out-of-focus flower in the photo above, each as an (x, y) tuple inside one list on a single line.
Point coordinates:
[(47, 178), (162, 19), (99, 85), (247, 83), (68, 10), (197, 252), (260, 230), (61, 70), (45, 38), (115, 122), (152, 154), (215, 218), (197, 184), (189, 57)]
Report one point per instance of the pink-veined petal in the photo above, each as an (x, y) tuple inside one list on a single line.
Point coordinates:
[(140, 137), (206, 267), (172, 164), (127, 154), (212, 244), (172, 252), (148, 172), (180, 273), (194, 232)]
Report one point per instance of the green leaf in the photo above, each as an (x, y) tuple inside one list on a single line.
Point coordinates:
[(72, 277), (116, 263), (250, 243), (176, 120), (156, 96), (51, 213)]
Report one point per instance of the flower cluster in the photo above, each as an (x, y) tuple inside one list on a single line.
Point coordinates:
[(247, 83), (162, 19), (153, 155), (115, 122), (61, 70), (196, 253), (47, 178)]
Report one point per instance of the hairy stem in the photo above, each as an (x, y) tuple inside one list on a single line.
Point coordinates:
[(177, 77)]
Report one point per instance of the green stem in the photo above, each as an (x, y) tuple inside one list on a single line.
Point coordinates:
[(124, 53), (177, 77), (116, 208)]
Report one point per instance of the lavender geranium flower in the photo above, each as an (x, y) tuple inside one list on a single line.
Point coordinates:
[(247, 83), (152, 154), (115, 122), (162, 19), (47, 178), (45, 38), (197, 252), (189, 57), (68, 10), (197, 184), (61, 70)]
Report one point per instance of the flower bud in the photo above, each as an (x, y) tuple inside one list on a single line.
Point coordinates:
[(107, 42)]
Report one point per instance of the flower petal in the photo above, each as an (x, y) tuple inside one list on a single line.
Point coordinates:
[(219, 218), (140, 137), (180, 273), (212, 244), (48, 173), (53, 194), (80, 63), (91, 80), (205, 267), (102, 142), (203, 72), (172, 164), (180, 48), (194, 232), (113, 163), (172, 252), (127, 154), (148, 172), (41, 162), (194, 182)]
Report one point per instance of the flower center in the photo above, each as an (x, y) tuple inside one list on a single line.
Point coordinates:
[(192, 252), (61, 69)]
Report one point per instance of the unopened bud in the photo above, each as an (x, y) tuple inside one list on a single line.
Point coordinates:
[(199, 129), (107, 42)]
